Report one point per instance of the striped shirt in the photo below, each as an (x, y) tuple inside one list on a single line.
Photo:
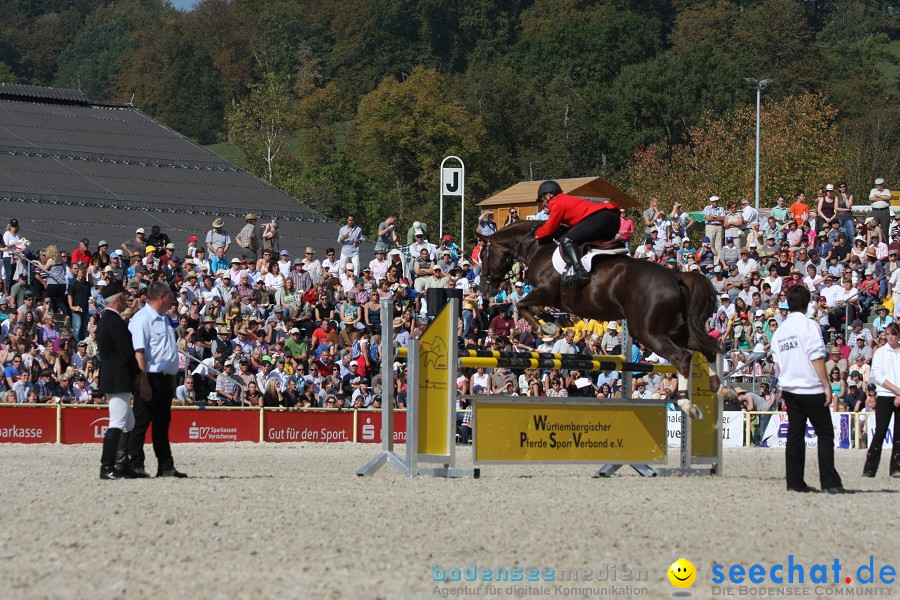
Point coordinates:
[(715, 211)]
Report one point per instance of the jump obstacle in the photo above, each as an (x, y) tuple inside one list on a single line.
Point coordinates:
[(613, 432)]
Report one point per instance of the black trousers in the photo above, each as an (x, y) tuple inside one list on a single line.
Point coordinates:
[(601, 225), (801, 407), (884, 408), (159, 412)]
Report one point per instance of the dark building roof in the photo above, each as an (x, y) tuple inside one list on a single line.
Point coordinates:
[(71, 168)]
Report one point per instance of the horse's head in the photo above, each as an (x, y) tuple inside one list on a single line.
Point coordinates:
[(496, 260), (500, 250)]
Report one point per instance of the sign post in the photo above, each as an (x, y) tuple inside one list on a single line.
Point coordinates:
[(453, 184)]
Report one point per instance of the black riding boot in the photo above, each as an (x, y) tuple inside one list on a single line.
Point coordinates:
[(123, 467), (873, 457), (895, 460), (571, 256), (108, 458)]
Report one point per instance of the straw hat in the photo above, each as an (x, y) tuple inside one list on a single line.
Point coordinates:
[(218, 222)]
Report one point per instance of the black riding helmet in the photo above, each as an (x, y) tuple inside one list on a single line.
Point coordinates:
[(549, 187)]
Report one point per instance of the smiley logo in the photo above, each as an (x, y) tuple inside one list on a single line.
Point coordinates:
[(682, 573)]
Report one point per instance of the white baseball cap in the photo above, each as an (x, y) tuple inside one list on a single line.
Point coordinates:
[(713, 198)]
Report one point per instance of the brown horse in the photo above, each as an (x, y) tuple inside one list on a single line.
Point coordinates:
[(665, 310)]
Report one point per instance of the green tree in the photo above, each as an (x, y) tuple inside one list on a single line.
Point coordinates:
[(260, 125), (797, 151), (403, 130), (91, 61)]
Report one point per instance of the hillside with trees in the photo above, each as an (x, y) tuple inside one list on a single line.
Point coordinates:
[(350, 106)]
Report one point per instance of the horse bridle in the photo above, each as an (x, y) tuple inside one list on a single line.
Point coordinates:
[(514, 255)]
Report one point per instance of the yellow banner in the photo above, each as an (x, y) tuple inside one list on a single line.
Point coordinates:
[(545, 430), (437, 389)]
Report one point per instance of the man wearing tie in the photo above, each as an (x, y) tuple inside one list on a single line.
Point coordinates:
[(157, 356)]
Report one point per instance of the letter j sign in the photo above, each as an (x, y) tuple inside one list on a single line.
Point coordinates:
[(452, 181)]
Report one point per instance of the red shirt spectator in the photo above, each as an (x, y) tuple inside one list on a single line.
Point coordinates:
[(82, 254)]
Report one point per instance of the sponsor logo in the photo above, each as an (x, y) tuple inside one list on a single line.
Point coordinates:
[(218, 434), (21, 433), (100, 430)]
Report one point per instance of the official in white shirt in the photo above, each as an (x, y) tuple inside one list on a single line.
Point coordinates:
[(886, 375), (799, 353), (154, 348)]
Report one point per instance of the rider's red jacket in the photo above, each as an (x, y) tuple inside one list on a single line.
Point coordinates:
[(569, 210)]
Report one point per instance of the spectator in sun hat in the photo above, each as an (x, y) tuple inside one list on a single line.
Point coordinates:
[(311, 265), (379, 265), (217, 237)]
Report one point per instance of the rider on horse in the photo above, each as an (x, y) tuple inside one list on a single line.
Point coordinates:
[(587, 221)]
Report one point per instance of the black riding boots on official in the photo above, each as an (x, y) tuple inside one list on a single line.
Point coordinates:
[(570, 255), (895, 460), (108, 457), (123, 461)]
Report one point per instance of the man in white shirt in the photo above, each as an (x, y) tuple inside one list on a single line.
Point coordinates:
[(879, 192), (746, 265), (799, 354), (566, 344), (311, 265), (750, 216), (830, 291), (885, 372)]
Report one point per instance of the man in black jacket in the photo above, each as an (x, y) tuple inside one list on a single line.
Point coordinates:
[(118, 373)]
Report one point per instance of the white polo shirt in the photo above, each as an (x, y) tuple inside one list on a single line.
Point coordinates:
[(795, 345), (885, 365)]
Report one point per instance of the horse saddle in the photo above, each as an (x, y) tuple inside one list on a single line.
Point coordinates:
[(590, 251)]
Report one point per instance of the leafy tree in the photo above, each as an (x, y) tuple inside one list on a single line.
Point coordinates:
[(797, 151), (403, 130), (6, 74), (260, 125), (91, 61), (661, 98)]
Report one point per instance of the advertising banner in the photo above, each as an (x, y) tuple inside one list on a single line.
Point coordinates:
[(84, 424), (200, 425), (775, 435), (292, 426), (870, 431), (369, 427), (27, 424), (732, 429), (559, 430)]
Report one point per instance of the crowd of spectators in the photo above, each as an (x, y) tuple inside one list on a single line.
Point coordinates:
[(259, 327)]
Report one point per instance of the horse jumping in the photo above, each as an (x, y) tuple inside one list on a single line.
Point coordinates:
[(665, 310)]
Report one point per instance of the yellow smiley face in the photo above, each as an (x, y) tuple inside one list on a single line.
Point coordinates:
[(682, 573)]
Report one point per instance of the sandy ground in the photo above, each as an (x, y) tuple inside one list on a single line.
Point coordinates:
[(294, 521)]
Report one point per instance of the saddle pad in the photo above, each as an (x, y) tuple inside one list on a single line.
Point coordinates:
[(560, 265)]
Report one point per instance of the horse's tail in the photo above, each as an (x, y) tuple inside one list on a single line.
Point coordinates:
[(700, 298)]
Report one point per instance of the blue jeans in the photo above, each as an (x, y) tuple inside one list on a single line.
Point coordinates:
[(849, 228), (8, 268), (467, 317), (79, 325)]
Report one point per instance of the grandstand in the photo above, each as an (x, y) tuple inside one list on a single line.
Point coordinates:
[(71, 167)]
